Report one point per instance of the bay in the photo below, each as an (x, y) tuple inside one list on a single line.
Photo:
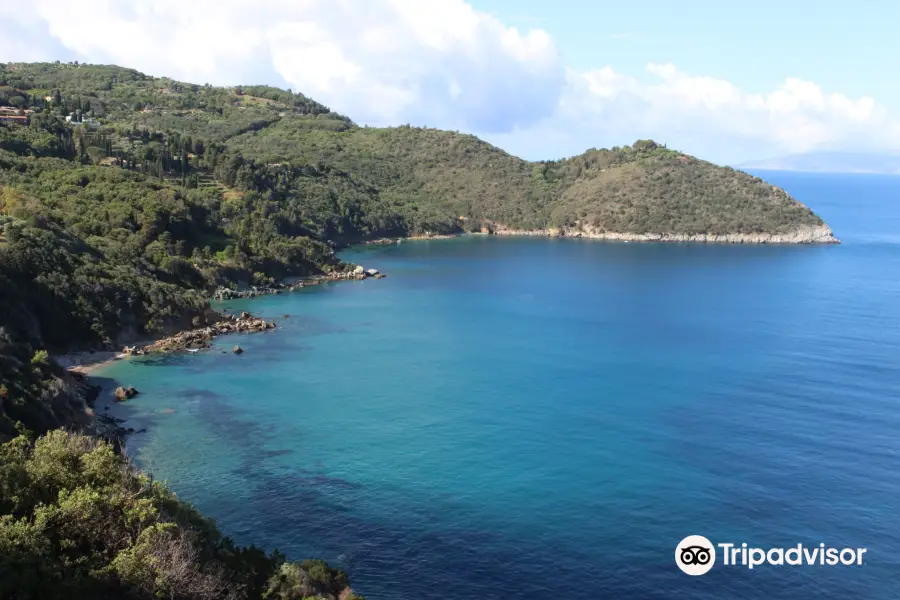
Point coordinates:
[(533, 418)]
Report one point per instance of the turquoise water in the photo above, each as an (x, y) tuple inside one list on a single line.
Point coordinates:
[(531, 418)]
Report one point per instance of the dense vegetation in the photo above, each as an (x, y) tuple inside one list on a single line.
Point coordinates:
[(125, 199), (77, 522)]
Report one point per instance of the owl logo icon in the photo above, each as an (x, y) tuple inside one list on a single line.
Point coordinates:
[(695, 555)]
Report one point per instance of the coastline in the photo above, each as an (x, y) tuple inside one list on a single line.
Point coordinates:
[(88, 362), (200, 337), (410, 238), (819, 234)]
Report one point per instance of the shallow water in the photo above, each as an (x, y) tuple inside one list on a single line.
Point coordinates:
[(532, 418)]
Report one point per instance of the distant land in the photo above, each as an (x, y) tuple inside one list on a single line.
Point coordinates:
[(831, 162)]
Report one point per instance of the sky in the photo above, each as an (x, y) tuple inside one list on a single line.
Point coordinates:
[(725, 80)]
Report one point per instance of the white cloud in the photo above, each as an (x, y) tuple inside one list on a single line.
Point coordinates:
[(710, 117), (380, 61), (443, 63)]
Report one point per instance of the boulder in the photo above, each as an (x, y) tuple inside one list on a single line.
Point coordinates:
[(125, 393), (270, 325), (237, 350), (245, 315), (358, 270), (380, 276)]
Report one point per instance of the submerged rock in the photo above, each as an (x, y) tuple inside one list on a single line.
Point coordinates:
[(237, 350)]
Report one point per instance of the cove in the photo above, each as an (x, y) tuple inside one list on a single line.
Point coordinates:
[(531, 418)]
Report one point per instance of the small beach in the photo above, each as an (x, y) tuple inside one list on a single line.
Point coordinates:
[(88, 362)]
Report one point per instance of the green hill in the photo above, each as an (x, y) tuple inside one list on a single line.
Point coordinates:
[(411, 179)]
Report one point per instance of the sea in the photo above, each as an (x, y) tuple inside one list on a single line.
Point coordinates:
[(526, 418)]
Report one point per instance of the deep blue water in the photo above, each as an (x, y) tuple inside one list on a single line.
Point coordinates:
[(531, 418)]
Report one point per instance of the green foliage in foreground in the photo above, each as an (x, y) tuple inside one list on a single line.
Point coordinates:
[(78, 522)]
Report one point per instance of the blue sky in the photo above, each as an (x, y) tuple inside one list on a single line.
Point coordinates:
[(850, 47), (727, 81)]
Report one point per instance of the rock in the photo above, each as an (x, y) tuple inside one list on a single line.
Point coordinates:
[(372, 272), (270, 325), (380, 276), (237, 350), (244, 315), (122, 393), (358, 270)]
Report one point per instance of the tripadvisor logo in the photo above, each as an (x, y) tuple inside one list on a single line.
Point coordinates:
[(696, 555)]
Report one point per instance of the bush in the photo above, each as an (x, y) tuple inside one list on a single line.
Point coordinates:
[(78, 522)]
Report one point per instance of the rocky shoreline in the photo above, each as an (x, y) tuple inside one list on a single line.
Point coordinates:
[(820, 234), (81, 364), (411, 238), (357, 273), (202, 337)]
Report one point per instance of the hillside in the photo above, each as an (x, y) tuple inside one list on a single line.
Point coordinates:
[(405, 179)]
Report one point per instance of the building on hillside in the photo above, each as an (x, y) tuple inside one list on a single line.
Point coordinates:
[(18, 119)]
